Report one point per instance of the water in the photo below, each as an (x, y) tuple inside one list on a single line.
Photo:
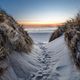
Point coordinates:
[(40, 37)]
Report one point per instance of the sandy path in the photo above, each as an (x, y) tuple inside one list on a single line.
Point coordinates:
[(44, 70), (56, 62)]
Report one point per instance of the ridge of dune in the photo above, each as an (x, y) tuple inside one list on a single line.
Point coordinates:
[(14, 42), (71, 31)]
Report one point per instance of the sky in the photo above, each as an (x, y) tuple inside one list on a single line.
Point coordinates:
[(41, 11)]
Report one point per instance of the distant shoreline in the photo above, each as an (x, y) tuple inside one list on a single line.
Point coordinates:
[(39, 26), (40, 30)]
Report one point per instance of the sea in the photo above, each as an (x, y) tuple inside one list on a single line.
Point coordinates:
[(40, 35)]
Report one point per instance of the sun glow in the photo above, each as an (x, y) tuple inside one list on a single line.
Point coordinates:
[(43, 18), (39, 22)]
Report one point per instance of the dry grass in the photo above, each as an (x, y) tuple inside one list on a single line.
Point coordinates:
[(71, 30), (57, 33), (72, 37), (12, 36)]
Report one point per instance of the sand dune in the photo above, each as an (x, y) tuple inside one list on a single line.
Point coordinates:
[(22, 59)]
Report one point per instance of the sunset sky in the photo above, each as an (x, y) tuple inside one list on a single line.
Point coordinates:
[(41, 11)]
